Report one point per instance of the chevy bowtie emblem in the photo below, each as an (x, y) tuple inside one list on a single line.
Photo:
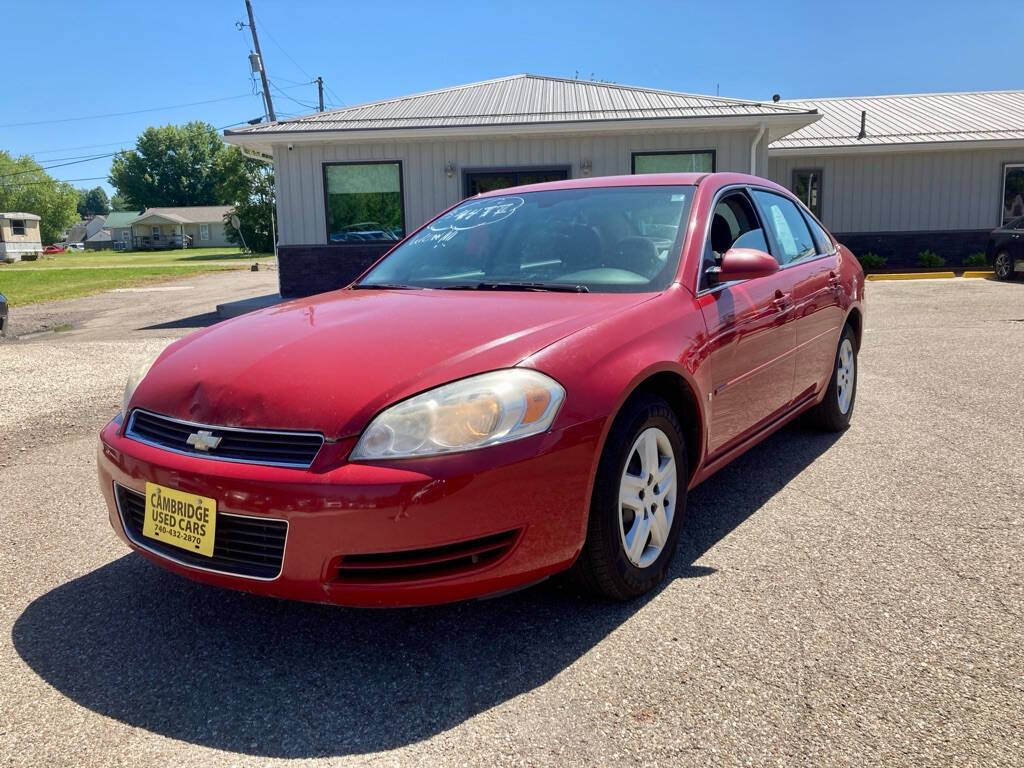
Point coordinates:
[(203, 440)]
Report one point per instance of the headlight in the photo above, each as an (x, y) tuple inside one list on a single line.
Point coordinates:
[(472, 413), (134, 379)]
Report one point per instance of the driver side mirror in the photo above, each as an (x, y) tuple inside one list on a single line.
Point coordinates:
[(743, 264)]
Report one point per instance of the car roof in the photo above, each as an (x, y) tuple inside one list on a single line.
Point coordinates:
[(638, 180)]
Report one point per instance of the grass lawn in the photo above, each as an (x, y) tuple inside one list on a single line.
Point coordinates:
[(72, 274), (27, 287), (132, 258)]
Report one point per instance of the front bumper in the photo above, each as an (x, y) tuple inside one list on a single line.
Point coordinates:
[(535, 491)]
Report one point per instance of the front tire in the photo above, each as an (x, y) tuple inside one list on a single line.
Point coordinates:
[(833, 413), (638, 504), (1002, 265)]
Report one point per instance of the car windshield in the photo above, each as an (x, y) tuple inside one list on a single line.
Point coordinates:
[(624, 239)]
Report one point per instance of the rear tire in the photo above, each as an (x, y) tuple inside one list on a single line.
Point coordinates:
[(833, 413), (638, 505), (1002, 265)]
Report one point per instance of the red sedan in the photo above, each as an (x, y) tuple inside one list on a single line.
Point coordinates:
[(529, 383)]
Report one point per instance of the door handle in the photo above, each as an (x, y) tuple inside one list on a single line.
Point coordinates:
[(782, 301), (835, 282)]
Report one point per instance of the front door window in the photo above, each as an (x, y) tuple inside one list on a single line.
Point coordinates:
[(478, 182)]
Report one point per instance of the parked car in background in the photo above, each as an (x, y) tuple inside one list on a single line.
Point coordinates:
[(1005, 249), (3, 315), (529, 383), (51, 249)]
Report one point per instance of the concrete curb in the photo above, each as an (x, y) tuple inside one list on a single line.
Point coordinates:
[(927, 275), (244, 306), (910, 276)]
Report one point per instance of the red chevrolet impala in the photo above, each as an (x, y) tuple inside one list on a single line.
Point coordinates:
[(530, 383)]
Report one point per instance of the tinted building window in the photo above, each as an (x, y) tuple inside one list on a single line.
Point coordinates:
[(674, 162), (364, 202), (1013, 192), (478, 182), (807, 187)]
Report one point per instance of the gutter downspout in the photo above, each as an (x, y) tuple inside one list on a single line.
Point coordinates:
[(753, 149)]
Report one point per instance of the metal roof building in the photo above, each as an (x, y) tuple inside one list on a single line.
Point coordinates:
[(891, 174)]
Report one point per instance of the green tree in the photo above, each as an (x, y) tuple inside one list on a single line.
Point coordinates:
[(177, 165), (254, 205), (117, 203), (93, 202), (26, 187)]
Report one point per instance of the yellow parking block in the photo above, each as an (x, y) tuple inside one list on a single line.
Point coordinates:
[(979, 273), (909, 275)]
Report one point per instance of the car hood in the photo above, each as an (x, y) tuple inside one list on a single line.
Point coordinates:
[(329, 363)]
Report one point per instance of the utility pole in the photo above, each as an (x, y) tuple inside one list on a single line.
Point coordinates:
[(320, 90), (263, 69)]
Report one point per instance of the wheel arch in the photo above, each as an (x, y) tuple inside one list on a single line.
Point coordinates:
[(855, 319), (676, 389)]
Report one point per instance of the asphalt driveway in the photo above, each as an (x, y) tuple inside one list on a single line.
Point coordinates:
[(851, 600)]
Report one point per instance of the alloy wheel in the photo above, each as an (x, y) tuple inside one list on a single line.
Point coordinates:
[(1003, 265), (647, 497), (845, 373)]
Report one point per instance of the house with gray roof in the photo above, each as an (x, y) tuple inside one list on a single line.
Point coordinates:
[(194, 226), (886, 172)]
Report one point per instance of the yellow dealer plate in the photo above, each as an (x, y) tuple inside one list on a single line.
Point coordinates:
[(182, 519)]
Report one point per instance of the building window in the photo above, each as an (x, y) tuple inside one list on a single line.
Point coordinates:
[(363, 202), (1013, 192), (488, 180), (204, 231), (17, 226), (701, 161), (156, 232), (126, 235), (807, 187)]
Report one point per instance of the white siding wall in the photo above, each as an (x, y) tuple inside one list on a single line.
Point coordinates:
[(905, 191), (428, 190)]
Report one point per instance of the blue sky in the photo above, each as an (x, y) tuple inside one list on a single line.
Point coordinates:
[(85, 59)]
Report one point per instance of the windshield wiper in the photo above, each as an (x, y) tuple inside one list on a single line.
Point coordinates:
[(385, 286), (554, 287)]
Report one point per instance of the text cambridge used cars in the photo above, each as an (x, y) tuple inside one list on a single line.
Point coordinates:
[(527, 384)]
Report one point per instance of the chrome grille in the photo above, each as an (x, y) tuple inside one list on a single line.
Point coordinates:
[(253, 446)]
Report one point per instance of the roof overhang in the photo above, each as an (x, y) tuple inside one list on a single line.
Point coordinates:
[(165, 217), (915, 146), (778, 125)]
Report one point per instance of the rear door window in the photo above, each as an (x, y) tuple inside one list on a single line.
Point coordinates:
[(786, 226), (821, 238)]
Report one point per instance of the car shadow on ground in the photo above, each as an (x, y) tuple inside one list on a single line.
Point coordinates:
[(193, 321), (266, 677)]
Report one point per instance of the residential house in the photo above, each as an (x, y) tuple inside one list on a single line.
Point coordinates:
[(119, 223), (19, 236), (197, 226), (82, 230), (894, 174)]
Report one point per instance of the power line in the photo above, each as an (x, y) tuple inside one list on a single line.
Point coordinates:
[(123, 114), (52, 181), (273, 39), (57, 165), (290, 98), (108, 144)]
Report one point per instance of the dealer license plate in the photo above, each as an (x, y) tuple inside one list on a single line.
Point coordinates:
[(183, 520)]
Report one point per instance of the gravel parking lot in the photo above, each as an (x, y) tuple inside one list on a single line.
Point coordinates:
[(850, 600)]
